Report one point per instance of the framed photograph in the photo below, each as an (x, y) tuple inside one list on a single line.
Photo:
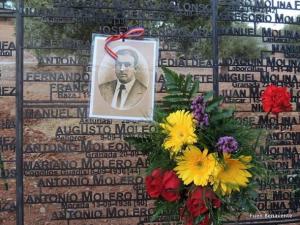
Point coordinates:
[(123, 88)]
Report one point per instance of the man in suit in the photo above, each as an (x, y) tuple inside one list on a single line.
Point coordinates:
[(126, 91)]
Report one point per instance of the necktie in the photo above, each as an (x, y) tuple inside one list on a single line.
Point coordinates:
[(121, 88)]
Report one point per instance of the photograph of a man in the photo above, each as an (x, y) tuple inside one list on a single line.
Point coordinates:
[(126, 90), (123, 87)]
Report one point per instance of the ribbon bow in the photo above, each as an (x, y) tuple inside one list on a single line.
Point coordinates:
[(135, 32)]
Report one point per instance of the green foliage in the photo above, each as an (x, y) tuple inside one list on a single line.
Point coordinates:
[(165, 208), (241, 46), (189, 46), (236, 47), (199, 219), (222, 123), (180, 91), (152, 147)]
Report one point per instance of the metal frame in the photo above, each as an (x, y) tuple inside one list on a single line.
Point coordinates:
[(19, 112), (215, 47), (19, 95)]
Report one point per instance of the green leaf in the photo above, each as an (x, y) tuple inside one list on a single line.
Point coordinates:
[(226, 113), (171, 76), (166, 208), (199, 219), (158, 212), (188, 82), (208, 95), (214, 104), (180, 90), (194, 89)]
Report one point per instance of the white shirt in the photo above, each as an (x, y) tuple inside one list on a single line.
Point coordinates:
[(124, 95)]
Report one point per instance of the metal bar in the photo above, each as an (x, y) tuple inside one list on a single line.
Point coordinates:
[(19, 112), (215, 46)]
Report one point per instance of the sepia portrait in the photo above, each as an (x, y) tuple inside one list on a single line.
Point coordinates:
[(123, 88)]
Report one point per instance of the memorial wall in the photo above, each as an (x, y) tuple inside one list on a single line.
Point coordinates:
[(79, 170)]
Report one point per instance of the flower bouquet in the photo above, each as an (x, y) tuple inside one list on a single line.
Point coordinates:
[(202, 161)]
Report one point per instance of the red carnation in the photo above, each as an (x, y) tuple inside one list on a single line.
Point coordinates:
[(171, 184), (197, 202), (276, 99), (154, 183)]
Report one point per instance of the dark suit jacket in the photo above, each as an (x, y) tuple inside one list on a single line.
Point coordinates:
[(135, 95)]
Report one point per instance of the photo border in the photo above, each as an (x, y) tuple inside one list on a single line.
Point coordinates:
[(94, 79)]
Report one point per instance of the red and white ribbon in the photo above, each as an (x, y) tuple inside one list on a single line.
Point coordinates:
[(132, 33)]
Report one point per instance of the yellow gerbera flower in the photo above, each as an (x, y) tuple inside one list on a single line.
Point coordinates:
[(180, 127), (232, 175), (195, 166)]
